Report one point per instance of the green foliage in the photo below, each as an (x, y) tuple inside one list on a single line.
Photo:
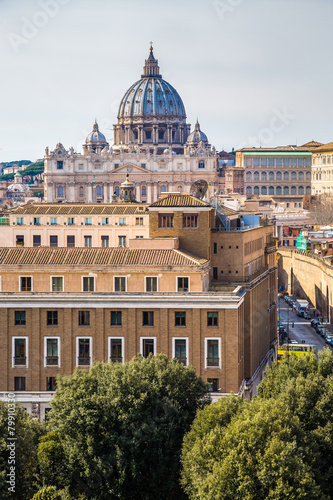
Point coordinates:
[(47, 493), (6, 164), (51, 459), (39, 193), (121, 428), (7, 177), (33, 169), (279, 446), (27, 432)]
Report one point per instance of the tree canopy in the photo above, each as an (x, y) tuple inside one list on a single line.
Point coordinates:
[(278, 446), (119, 428)]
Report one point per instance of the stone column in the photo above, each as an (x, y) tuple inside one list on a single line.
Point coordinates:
[(105, 188), (138, 191), (89, 186), (155, 195), (149, 189), (71, 186), (155, 134), (111, 190)]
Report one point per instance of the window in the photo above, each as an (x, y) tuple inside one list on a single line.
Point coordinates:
[(51, 384), (139, 221), (148, 346), (301, 190), (212, 349), (122, 221), (286, 176), (20, 351), (190, 220), (116, 318), (105, 221), (143, 165), (286, 190), (26, 284), (52, 318), (256, 176), (180, 351), (182, 284), (271, 190), (52, 351), (98, 191), (84, 318), (213, 384), (54, 241), (54, 221), (84, 351), (163, 189), (20, 240), (214, 248), (60, 191), (70, 241), (180, 318), (36, 221), (264, 190), (271, 176), (143, 191), (87, 221), (212, 318), (19, 317), (122, 241), (278, 190), (293, 190), (278, 176), (148, 135), (60, 165), (88, 241), (151, 284), (264, 176), (165, 220), (215, 273), (81, 191), (293, 176), (148, 318), (105, 241), (70, 221), (57, 283), (120, 284), (19, 221), (116, 349), (36, 240), (161, 135), (201, 164), (88, 284), (256, 190), (19, 383)]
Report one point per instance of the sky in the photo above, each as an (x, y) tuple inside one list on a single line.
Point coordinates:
[(254, 72)]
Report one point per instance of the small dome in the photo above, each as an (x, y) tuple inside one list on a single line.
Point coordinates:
[(96, 137), (197, 135), (167, 152)]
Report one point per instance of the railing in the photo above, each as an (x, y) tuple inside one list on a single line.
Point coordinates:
[(52, 360), (213, 362), (116, 359), (83, 360), (20, 360), (239, 279)]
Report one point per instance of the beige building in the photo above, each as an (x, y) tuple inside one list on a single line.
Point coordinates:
[(152, 142), (322, 170)]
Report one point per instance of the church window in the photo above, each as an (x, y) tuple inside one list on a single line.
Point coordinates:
[(161, 135), (98, 191), (163, 189), (143, 191), (81, 191), (201, 164), (60, 165), (60, 191), (136, 135), (148, 135)]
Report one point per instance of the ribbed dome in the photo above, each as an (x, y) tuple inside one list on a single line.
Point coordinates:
[(197, 135), (96, 136), (151, 95)]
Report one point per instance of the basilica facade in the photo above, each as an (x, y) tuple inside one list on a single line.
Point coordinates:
[(152, 143)]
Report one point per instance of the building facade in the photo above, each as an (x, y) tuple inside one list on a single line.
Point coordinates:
[(322, 170)]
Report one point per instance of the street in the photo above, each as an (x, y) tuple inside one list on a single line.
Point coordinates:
[(302, 330)]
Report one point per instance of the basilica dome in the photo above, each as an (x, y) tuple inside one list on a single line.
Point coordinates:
[(197, 135), (96, 137), (151, 113)]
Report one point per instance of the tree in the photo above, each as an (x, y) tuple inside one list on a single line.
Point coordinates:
[(47, 493), (121, 427), (27, 432), (278, 446)]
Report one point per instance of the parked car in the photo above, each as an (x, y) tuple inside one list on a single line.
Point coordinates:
[(319, 329), (314, 323), (293, 341), (329, 339)]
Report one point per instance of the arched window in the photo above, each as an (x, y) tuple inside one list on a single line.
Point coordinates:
[(286, 190), (163, 189), (98, 191), (308, 190), (271, 176), (293, 176), (278, 190), (248, 190), (256, 176), (278, 176), (60, 191), (301, 190), (256, 190), (248, 176), (271, 190), (286, 176), (264, 190), (301, 176), (308, 176), (81, 191), (263, 176), (293, 190)]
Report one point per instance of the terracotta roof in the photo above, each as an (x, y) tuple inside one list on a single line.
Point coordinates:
[(325, 147), (229, 211), (296, 149), (311, 144), (180, 200), (43, 256), (80, 209)]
